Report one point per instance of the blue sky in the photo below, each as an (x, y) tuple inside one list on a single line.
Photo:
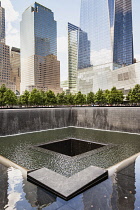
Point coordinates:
[(64, 11)]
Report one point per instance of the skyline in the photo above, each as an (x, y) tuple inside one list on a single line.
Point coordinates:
[(63, 15)]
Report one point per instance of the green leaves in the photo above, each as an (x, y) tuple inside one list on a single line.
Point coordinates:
[(62, 98), (24, 99), (50, 98), (134, 94), (80, 98), (7, 96), (3, 89), (90, 98), (115, 96), (100, 97), (37, 98), (10, 97)]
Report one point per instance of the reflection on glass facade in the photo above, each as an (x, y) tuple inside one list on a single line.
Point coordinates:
[(83, 50), (38, 40), (108, 24), (78, 53)]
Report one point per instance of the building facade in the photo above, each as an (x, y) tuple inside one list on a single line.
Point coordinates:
[(15, 67), (102, 76), (2, 24), (73, 40), (78, 54), (5, 69), (38, 44), (108, 24)]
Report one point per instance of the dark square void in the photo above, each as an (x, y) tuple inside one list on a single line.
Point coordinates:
[(71, 147)]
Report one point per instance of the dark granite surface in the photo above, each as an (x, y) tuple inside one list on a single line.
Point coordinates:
[(67, 187), (119, 192)]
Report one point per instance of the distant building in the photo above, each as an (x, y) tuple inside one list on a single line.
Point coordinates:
[(48, 74), (39, 65), (15, 67), (5, 69), (64, 85), (4, 62)]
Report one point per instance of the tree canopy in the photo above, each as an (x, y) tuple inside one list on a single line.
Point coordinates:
[(90, 98), (80, 98), (134, 94), (41, 98), (115, 96), (100, 98)]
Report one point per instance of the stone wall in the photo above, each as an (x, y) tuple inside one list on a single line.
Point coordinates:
[(28, 120), (126, 119), (107, 118)]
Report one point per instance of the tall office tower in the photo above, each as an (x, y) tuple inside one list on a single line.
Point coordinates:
[(78, 54), (38, 37), (4, 62), (4, 54), (15, 67), (73, 33), (2, 24), (108, 24)]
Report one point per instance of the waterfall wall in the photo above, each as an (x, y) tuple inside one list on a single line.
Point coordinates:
[(13, 121)]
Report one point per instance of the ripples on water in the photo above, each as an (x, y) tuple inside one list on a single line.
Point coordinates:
[(118, 192), (18, 149)]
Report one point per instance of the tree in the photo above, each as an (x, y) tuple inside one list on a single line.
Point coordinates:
[(134, 94), (70, 99), (10, 97), (100, 97), (90, 98), (50, 98), (24, 99), (3, 89), (35, 97), (62, 98), (80, 98), (43, 97), (115, 96), (106, 94)]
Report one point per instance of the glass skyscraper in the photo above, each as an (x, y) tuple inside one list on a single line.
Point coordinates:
[(108, 24), (78, 53), (38, 40)]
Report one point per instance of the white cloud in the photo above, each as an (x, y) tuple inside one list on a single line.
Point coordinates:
[(100, 57), (14, 182), (13, 39), (12, 21), (11, 14)]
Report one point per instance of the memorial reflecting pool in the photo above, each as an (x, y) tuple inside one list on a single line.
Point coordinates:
[(120, 191)]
